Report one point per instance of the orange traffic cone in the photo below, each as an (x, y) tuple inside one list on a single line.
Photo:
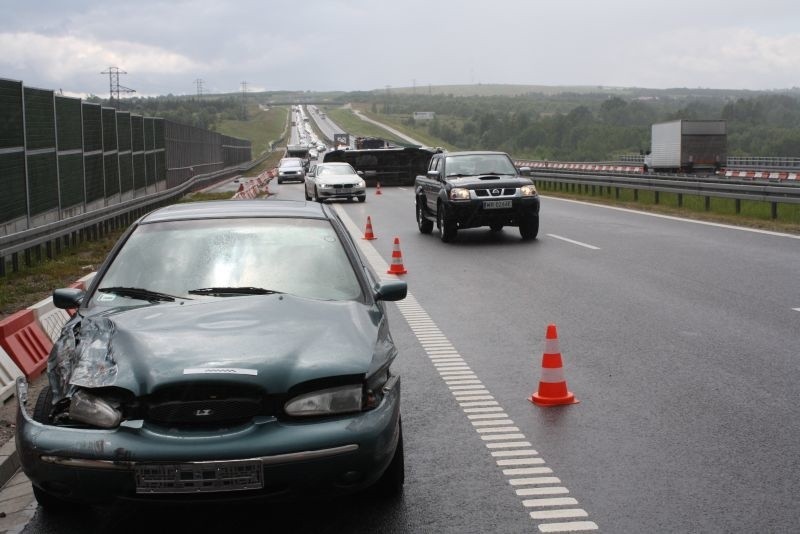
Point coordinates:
[(241, 188), (368, 235), (552, 386), (378, 188), (397, 259)]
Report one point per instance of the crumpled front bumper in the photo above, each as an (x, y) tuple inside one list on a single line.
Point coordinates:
[(317, 457)]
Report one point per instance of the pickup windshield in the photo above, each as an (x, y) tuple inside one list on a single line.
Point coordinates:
[(477, 164)]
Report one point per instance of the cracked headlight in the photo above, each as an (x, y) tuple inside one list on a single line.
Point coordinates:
[(92, 410)]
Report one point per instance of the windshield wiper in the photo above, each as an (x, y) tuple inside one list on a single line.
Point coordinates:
[(140, 293), (233, 291), (459, 175)]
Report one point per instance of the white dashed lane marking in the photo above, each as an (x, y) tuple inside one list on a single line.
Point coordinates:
[(508, 446), (579, 243)]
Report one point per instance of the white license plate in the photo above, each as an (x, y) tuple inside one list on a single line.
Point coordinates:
[(496, 204), (199, 477)]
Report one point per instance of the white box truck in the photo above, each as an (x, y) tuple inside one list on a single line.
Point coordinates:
[(687, 146)]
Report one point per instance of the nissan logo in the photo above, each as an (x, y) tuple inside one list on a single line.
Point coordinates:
[(495, 192), (205, 412)]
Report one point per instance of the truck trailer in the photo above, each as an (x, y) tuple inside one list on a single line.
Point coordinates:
[(687, 146)]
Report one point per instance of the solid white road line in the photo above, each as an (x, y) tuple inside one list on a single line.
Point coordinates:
[(580, 244)]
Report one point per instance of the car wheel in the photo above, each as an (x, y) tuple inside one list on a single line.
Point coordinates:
[(391, 482), (305, 190), (362, 198), (495, 227), (447, 229), (425, 226), (44, 403), (316, 195), (53, 504), (529, 228)]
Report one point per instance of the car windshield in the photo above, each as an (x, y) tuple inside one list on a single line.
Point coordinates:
[(302, 257), (474, 164), (337, 170), (292, 163)]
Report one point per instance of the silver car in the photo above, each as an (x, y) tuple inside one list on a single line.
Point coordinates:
[(291, 169), (335, 180)]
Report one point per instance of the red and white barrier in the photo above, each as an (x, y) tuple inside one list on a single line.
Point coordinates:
[(772, 176)]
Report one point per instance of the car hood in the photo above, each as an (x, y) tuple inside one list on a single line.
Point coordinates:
[(338, 179), (272, 342), (488, 181)]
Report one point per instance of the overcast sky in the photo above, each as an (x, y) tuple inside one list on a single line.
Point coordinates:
[(165, 45)]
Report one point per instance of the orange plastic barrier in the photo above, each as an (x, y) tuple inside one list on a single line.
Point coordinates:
[(25, 342)]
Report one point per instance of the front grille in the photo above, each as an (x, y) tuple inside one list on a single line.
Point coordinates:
[(496, 192), (202, 405), (342, 186)]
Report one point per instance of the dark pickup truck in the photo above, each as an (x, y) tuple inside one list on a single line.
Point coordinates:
[(473, 189)]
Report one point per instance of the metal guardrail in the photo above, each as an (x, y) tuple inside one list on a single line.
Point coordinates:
[(774, 194)]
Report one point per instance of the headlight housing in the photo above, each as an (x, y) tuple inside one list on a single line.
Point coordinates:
[(93, 410), (361, 183), (459, 193), (528, 190), (331, 401)]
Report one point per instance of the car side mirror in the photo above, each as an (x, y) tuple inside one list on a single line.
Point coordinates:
[(360, 173), (391, 291), (434, 175), (67, 298)]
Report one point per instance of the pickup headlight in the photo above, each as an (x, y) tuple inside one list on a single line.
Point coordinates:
[(528, 190), (338, 400), (459, 193)]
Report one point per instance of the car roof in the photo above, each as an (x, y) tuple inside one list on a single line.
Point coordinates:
[(334, 164), (221, 209), (475, 153)]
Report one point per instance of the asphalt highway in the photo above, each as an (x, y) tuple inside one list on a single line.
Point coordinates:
[(680, 340)]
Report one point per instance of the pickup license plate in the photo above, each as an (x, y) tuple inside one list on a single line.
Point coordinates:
[(496, 204), (200, 477)]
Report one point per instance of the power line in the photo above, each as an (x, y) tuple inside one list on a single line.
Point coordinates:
[(244, 100), (199, 83)]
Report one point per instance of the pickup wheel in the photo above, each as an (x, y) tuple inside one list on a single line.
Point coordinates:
[(529, 228), (447, 228), (425, 225)]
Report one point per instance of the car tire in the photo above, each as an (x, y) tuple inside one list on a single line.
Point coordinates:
[(53, 504), (280, 181), (305, 191), (529, 228), (391, 482), (496, 227), (316, 195), (362, 198), (425, 226), (44, 403), (447, 229)]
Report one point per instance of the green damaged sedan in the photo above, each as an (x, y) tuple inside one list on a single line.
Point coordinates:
[(225, 350)]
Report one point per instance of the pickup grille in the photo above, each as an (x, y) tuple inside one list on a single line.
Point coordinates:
[(496, 192)]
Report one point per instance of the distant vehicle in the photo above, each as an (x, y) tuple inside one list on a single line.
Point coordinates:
[(335, 180), (387, 166), (472, 189), (687, 146), (321, 147), (369, 142), (291, 169), (299, 151), (225, 351)]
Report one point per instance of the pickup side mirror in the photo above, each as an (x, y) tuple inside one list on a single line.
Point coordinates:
[(435, 175), (525, 171), (67, 298)]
